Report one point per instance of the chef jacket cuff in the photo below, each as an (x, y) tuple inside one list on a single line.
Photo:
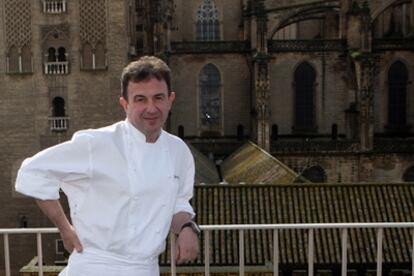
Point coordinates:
[(184, 207), (37, 187)]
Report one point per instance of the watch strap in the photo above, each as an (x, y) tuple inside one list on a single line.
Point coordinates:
[(193, 226)]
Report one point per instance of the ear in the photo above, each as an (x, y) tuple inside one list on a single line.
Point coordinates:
[(171, 97), (123, 103)]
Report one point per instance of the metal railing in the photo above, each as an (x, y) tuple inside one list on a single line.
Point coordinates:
[(311, 45), (392, 44), (59, 123), (54, 6), (241, 228), (57, 68), (191, 47)]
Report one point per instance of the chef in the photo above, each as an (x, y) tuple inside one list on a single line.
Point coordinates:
[(128, 184)]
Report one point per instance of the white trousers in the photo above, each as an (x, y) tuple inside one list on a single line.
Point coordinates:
[(86, 264)]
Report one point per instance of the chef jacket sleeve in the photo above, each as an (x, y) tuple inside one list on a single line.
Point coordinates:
[(40, 176), (185, 192)]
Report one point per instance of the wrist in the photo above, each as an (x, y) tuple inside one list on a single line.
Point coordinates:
[(193, 226)]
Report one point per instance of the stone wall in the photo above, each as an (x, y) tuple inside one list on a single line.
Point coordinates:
[(235, 89), (348, 168)]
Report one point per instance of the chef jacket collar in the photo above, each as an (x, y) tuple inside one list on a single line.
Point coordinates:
[(138, 135)]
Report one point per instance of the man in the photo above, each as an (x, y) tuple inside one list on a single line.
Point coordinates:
[(127, 184)]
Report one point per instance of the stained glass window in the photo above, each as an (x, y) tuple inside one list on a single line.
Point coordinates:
[(397, 94), (304, 96), (210, 100), (208, 24)]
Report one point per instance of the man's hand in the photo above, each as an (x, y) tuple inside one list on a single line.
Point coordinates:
[(187, 247), (53, 210), (71, 240)]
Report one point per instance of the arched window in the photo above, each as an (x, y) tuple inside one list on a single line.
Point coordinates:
[(315, 174), (275, 132), (14, 60), (87, 58), (26, 59), (409, 174), (23, 222), (100, 56), (208, 24), (210, 100), (397, 95), (334, 132), (51, 54), (61, 54), (240, 132), (58, 107), (304, 85)]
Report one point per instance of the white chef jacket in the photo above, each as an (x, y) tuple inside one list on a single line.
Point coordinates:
[(122, 191)]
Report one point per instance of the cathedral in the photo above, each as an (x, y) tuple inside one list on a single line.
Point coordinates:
[(322, 85)]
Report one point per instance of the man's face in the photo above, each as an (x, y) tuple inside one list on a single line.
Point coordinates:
[(148, 106)]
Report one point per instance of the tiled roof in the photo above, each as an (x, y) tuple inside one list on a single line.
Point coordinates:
[(305, 203), (251, 164), (205, 169)]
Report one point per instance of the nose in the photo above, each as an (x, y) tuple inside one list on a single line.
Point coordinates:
[(151, 107)]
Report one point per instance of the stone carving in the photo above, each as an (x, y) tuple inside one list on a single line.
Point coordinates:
[(18, 19), (93, 21)]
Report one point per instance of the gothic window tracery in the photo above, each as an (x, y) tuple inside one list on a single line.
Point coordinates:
[(304, 85), (210, 99), (208, 22), (397, 95), (393, 22)]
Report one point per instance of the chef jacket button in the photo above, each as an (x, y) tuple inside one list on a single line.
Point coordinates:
[(158, 230)]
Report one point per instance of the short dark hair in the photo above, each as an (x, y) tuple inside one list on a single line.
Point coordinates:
[(143, 69)]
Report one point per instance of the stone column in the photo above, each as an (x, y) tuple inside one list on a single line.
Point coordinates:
[(261, 105), (364, 67), (261, 84), (344, 9), (411, 31)]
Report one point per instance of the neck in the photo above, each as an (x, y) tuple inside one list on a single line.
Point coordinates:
[(152, 138)]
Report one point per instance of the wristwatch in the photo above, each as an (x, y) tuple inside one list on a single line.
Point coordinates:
[(193, 226)]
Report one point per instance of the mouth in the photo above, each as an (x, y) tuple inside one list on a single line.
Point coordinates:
[(151, 120)]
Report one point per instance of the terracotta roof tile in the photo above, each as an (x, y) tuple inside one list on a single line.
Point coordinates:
[(305, 203), (205, 169), (251, 164)]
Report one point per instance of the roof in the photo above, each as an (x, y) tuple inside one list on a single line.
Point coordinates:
[(305, 203), (205, 169), (251, 164)]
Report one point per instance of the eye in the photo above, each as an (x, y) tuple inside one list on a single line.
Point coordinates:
[(159, 97), (139, 99)]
